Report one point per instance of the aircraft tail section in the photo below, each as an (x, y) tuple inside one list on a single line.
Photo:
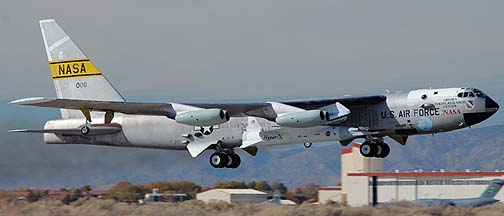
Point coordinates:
[(74, 75), (493, 188)]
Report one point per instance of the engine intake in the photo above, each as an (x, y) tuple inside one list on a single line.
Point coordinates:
[(309, 118), (206, 117)]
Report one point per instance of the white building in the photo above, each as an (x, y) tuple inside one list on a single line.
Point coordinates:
[(155, 196), (232, 196), (350, 191), (357, 172), (332, 193), (427, 185)]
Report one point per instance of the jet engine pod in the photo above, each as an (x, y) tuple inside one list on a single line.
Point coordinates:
[(204, 117), (309, 118)]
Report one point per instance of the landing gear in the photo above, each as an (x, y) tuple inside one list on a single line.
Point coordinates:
[(307, 144), (367, 149), (383, 150), (235, 161), (375, 148), (218, 160), (225, 160), (84, 130)]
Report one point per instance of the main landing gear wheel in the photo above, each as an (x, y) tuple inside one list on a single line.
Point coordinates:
[(225, 160), (85, 130), (375, 149), (235, 161), (307, 144), (368, 150), (384, 150), (219, 160)]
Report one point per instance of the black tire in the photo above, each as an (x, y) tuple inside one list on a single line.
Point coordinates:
[(235, 161), (85, 130), (307, 145), (368, 150), (379, 149), (218, 160), (385, 150), (229, 161)]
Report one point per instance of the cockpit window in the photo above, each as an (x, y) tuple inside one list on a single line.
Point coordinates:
[(479, 93), (466, 94)]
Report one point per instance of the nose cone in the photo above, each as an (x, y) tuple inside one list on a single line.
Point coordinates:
[(491, 108), (491, 105)]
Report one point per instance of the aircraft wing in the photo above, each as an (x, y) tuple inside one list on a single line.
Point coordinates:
[(346, 101), (163, 109), (265, 110), (262, 110)]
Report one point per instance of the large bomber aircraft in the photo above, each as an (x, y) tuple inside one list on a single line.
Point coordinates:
[(486, 198), (93, 112)]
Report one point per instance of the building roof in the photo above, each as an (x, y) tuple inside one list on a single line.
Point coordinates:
[(427, 174), (330, 188), (285, 202), (239, 191)]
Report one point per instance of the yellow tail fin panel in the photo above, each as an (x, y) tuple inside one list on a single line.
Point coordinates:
[(73, 68)]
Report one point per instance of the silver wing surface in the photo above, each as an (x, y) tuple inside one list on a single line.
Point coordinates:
[(262, 110)]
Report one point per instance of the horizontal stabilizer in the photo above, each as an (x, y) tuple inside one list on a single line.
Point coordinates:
[(93, 130)]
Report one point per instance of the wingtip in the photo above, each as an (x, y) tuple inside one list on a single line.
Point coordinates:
[(16, 130), (27, 100), (15, 101)]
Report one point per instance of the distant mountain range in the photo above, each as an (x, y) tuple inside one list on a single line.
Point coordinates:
[(26, 162)]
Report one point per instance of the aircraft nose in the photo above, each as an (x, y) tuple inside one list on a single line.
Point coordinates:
[(491, 105), (491, 108)]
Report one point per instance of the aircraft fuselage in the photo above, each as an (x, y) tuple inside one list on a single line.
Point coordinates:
[(416, 112)]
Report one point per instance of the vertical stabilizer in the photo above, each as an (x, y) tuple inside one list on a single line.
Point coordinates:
[(74, 75), (493, 188)]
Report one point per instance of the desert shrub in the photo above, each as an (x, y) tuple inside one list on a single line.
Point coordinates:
[(80, 202), (357, 211), (457, 211), (126, 192), (86, 188), (220, 206), (99, 207), (279, 186), (231, 184), (105, 204), (72, 196), (34, 195)]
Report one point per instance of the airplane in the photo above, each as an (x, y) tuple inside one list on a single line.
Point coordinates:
[(486, 198), (94, 112)]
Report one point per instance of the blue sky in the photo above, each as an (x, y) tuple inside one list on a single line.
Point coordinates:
[(262, 50), (206, 50)]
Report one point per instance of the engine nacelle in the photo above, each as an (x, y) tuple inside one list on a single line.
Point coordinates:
[(205, 117), (309, 118)]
